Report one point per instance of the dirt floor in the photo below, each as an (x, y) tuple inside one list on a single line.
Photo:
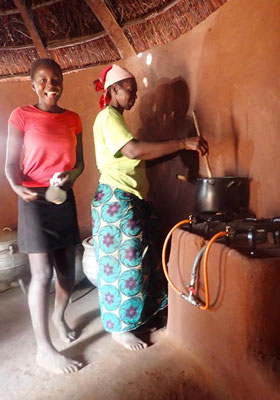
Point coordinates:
[(163, 371)]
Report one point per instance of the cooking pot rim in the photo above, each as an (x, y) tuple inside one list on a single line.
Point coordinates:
[(223, 178)]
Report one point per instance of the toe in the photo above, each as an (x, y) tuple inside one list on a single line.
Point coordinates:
[(72, 335), (77, 364), (74, 368)]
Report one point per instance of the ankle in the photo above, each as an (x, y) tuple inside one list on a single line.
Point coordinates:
[(57, 316), (45, 347)]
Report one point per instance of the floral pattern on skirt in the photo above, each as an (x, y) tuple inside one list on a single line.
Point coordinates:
[(131, 284)]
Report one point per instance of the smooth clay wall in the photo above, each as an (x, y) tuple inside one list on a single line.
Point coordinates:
[(227, 70)]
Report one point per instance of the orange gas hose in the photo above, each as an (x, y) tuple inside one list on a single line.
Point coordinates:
[(185, 221), (209, 245)]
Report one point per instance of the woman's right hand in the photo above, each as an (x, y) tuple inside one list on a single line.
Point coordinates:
[(198, 144), (25, 193)]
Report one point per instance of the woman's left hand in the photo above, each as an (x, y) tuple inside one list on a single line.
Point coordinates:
[(67, 179)]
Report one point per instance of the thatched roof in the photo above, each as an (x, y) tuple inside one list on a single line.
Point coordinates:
[(82, 33)]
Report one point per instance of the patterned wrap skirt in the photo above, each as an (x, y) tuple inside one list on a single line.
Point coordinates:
[(131, 284)]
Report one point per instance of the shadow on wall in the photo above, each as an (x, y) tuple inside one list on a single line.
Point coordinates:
[(163, 115), (226, 83)]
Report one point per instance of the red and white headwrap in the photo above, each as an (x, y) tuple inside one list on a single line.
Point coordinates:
[(108, 77)]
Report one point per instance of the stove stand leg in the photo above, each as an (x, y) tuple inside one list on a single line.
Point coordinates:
[(252, 241), (276, 237)]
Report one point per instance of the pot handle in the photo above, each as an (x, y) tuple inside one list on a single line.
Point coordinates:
[(182, 178)]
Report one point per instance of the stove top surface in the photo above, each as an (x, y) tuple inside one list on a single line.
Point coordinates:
[(249, 235)]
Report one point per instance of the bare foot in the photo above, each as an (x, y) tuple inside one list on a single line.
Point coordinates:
[(129, 341), (156, 335), (53, 361), (65, 332)]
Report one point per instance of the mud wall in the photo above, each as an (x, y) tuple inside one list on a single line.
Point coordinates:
[(227, 69)]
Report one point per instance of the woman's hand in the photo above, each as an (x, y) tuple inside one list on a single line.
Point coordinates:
[(25, 193), (198, 144), (67, 179)]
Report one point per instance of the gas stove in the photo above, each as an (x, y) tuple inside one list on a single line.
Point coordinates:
[(254, 237)]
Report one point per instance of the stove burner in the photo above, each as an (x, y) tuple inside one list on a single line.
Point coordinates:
[(245, 231), (206, 216)]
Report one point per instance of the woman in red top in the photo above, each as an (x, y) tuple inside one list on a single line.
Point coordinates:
[(51, 138)]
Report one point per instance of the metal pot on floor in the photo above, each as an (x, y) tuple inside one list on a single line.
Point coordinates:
[(14, 266), (90, 266)]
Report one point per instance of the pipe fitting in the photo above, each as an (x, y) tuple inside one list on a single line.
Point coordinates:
[(191, 299)]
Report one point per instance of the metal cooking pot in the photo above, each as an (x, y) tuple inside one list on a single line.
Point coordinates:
[(226, 194), (219, 195)]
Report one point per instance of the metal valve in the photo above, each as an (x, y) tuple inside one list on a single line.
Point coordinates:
[(191, 299)]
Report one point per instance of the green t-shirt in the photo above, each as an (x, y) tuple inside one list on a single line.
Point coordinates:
[(110, 135)]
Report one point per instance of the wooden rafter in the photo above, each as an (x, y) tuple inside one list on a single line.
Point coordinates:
[(108, 21), (104, 11), (59, 44), (152, 14), (29, 23), (33, 7)]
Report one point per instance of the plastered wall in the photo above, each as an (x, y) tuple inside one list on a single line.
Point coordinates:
[(227, 68)]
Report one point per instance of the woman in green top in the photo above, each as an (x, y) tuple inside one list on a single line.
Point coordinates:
[(131, 284)]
